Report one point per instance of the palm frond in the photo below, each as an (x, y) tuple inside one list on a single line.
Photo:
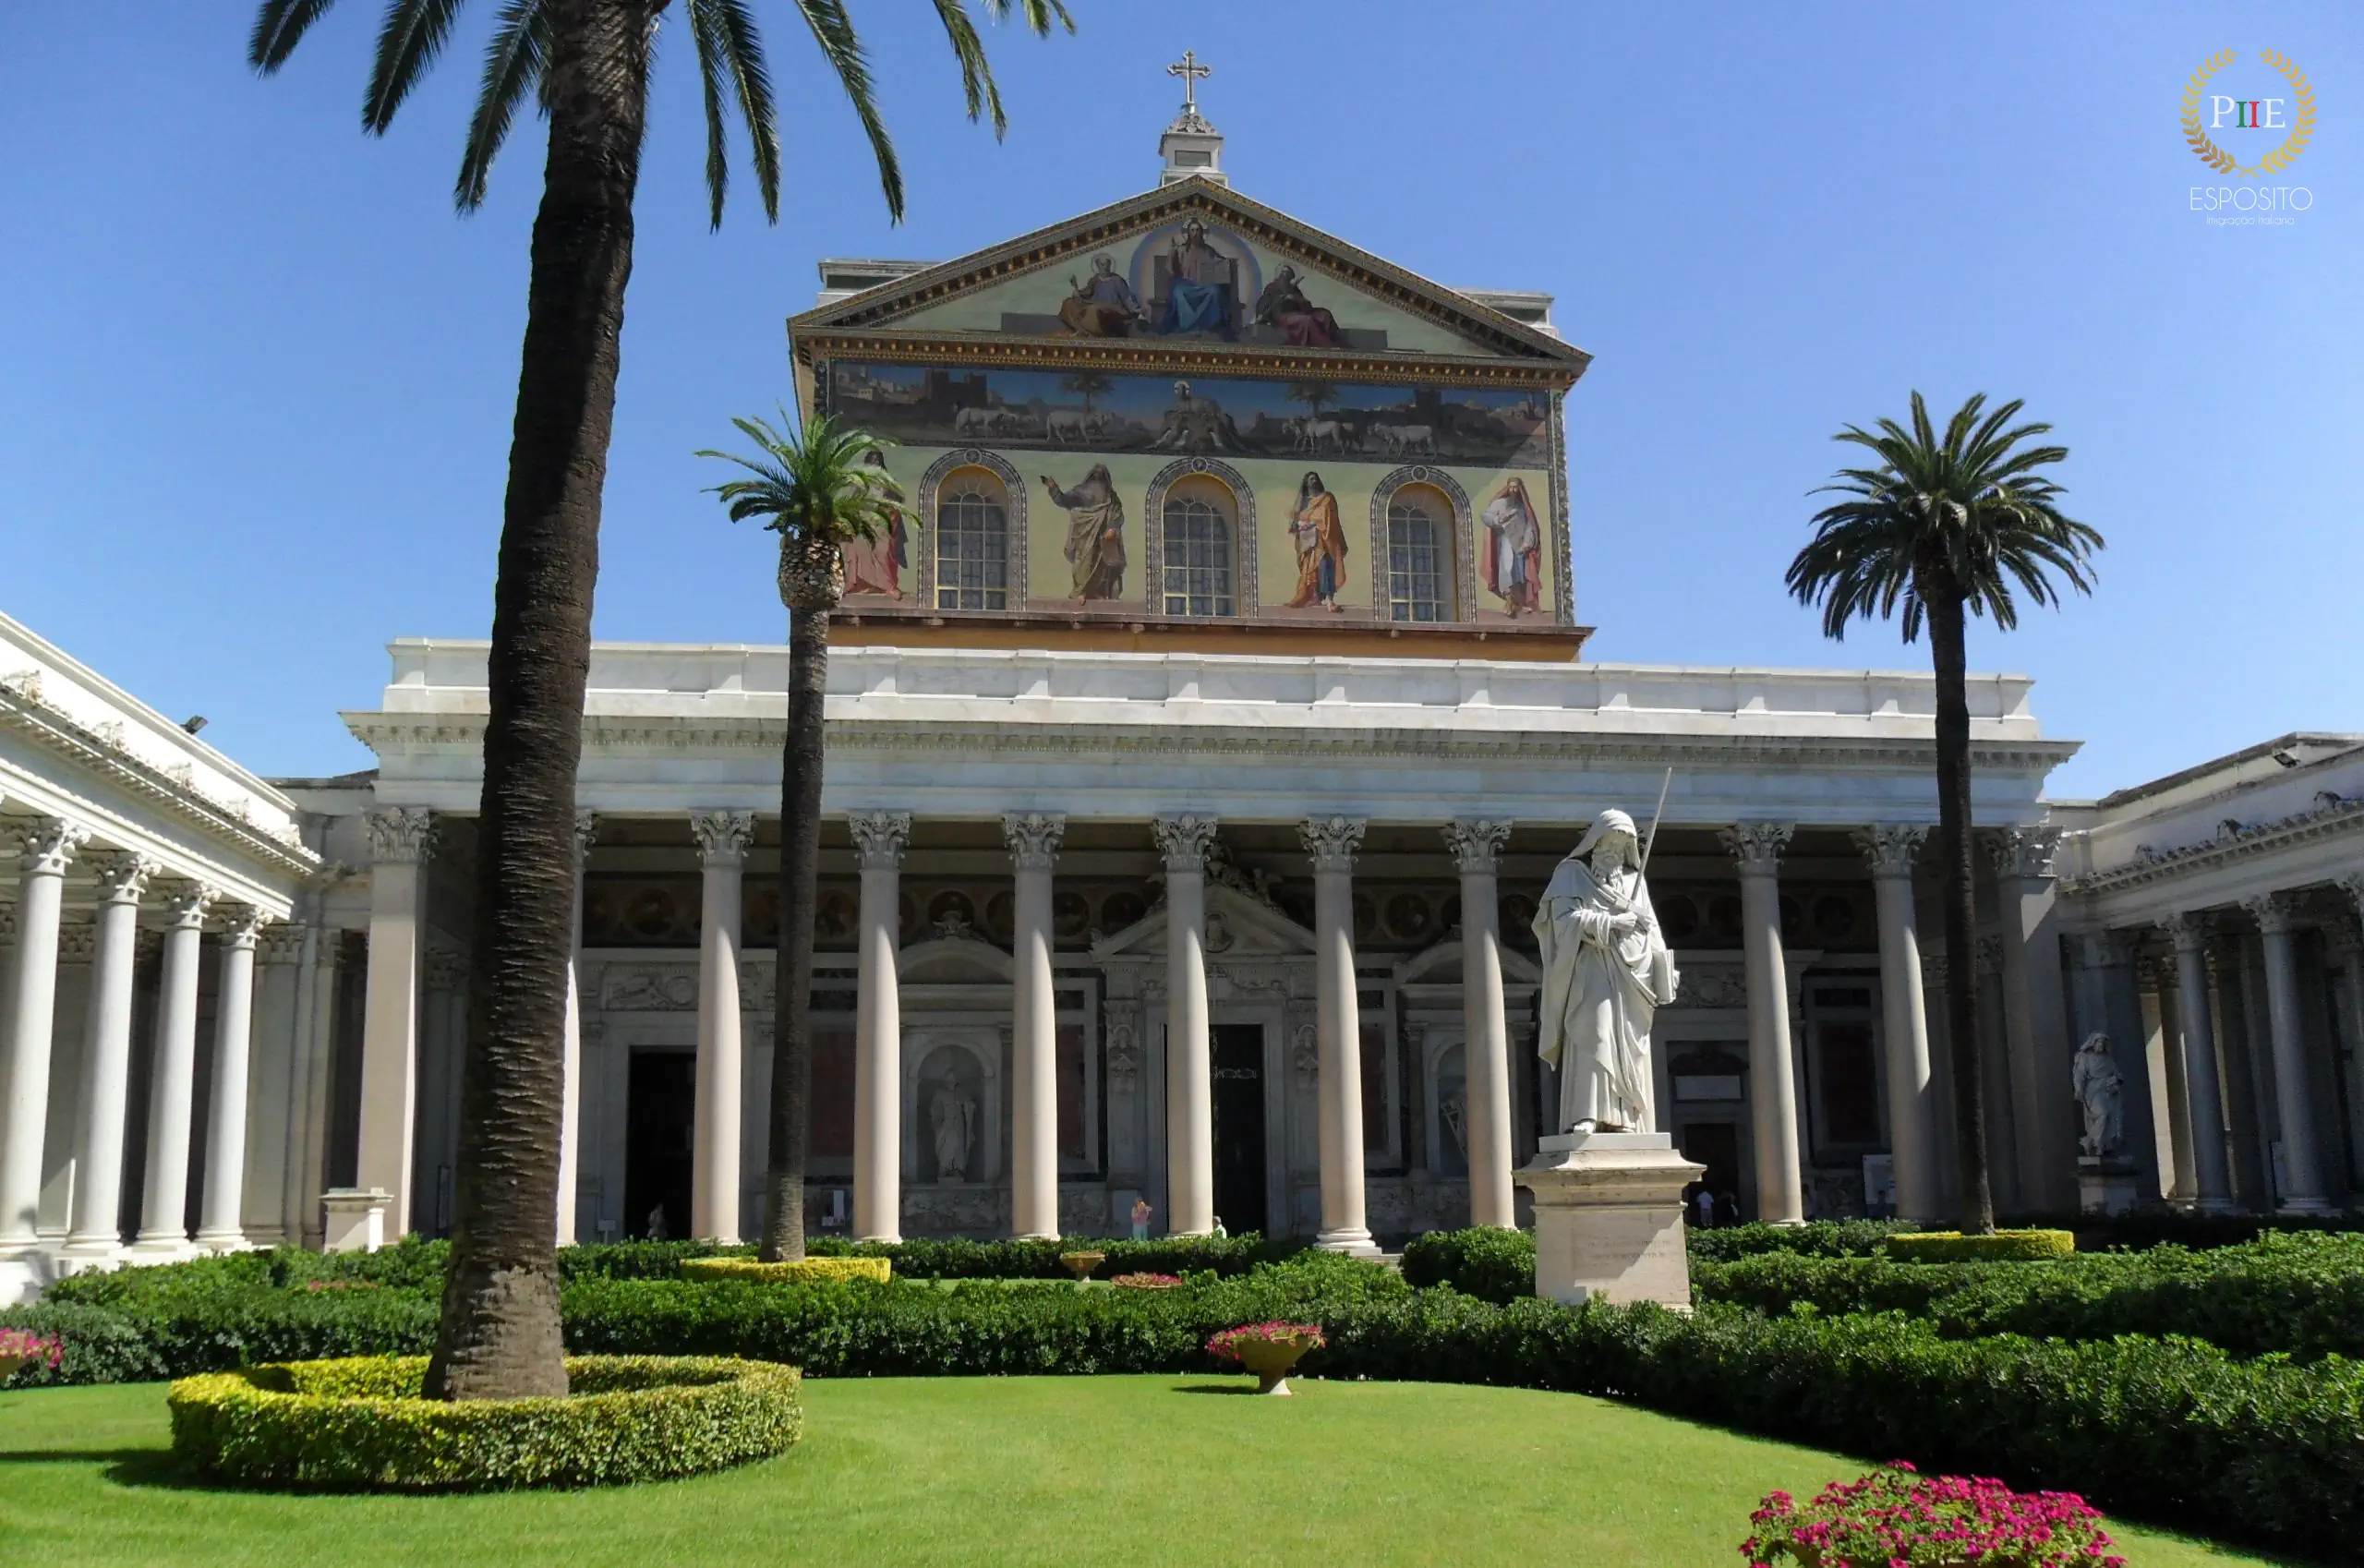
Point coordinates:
[(730, 52), (280, 25), (833, 31), (828, 481), (515, 61), (412, 36), (1964, 514)]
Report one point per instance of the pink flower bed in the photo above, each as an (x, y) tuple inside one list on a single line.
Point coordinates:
[(1147, 1282), (1897, 1518), (1224, 1347), (22, 1348)]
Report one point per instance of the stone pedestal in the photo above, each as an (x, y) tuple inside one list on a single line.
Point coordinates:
[(2107, 1186), (357, 1219), (1609, 1218)]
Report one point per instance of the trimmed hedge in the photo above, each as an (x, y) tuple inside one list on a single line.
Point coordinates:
[(2002, 1247), (806, 1270), (2300, 1294), (1488, 1263), (359, 1425), (1820, 1238)]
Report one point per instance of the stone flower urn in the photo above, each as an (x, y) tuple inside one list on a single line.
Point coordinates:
[(1269, 1350), (1080, 1264)]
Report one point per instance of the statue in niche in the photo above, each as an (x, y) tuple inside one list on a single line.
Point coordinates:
[(1512, 564), (1320, 543), (1095, 545), (952, 1119), (1103, 306), (2100, 1095), (1304, 324), (1607, 970), (1198, 287)]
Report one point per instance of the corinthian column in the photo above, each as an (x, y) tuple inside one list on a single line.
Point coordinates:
[(219, 1225), (570, 1123), (1189, 1062), (1486, 1054), (2035, 1012), (399, 841), (1330, 843), (1891, 849), (880, 839), (2190, 933), (1033, 841), (96, 1229), (723, 838), (1772, 1066), (47, 846), (2302, 1169), (163, 1210)]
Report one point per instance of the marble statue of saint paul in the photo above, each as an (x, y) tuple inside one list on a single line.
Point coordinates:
[(1607, 972)]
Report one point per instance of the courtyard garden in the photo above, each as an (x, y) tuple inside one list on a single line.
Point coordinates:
[(981, 1404)]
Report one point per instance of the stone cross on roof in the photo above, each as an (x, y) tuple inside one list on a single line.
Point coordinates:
[(1190, 70)]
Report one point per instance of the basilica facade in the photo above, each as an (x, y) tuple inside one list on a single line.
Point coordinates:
[(1201, 736)]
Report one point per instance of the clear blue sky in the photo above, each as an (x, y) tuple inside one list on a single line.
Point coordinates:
[(255, 377)]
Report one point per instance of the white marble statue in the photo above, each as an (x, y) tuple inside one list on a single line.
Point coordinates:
[(1606, 972), (952, 1116), (2100, 1092)]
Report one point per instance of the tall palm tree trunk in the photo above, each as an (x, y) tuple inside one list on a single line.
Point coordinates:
[(1947, 647), (500, 1335), (811, 577)]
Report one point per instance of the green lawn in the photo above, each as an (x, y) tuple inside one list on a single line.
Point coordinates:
[(996, 1470)]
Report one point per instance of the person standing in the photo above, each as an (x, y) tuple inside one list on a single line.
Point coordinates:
[(1320, 546)]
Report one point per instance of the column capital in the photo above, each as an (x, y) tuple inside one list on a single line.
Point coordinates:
[(282, 943), (2101, 949), (2026, 852), (1184, 841), (1891, 848), (2273, 913), (1758, 845), (2188, 929), (1990, 955), (587, 829), (1476, 844), (723, 835), (1034, 838), (400, 835), (1933, 971), (186, 903), (123, 875), (242, 927), (47, 845), (1331, 841), (881, 839)]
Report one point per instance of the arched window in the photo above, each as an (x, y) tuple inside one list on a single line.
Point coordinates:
[(1199, 514), (972, 542), (1420, 556)]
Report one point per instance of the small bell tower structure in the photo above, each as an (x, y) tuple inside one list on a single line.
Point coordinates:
[(1190, 148)]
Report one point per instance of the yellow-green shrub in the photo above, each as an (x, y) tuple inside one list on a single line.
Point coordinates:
[(808, 1271), (2002, 1246), (359, 1424)]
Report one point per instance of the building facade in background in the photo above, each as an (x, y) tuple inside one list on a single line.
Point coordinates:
[(1201, 738)]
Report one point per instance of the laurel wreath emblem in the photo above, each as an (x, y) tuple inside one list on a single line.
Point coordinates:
[(2302, 125)]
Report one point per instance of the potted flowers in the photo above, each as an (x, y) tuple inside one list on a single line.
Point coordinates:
[(20, 1347), (1269, 1350), (1139, 1281), (1896, 1515)]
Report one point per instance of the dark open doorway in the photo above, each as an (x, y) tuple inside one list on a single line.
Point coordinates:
[(660, 1123), (1239, 1124), (1716, 1146)]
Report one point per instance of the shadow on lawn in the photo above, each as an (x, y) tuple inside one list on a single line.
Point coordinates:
[(1212, 1388), (125, 1467)]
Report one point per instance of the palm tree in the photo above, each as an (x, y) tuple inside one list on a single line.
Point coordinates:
[(817, 491), (584, 64), (1087, 385), (1315, 396), (1947, 526)]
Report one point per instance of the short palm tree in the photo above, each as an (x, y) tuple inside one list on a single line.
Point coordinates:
[(585, 65), (1945, 527), (817, 491)]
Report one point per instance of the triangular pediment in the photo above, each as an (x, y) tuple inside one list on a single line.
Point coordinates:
[(1348, 303), (1239, 925)]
